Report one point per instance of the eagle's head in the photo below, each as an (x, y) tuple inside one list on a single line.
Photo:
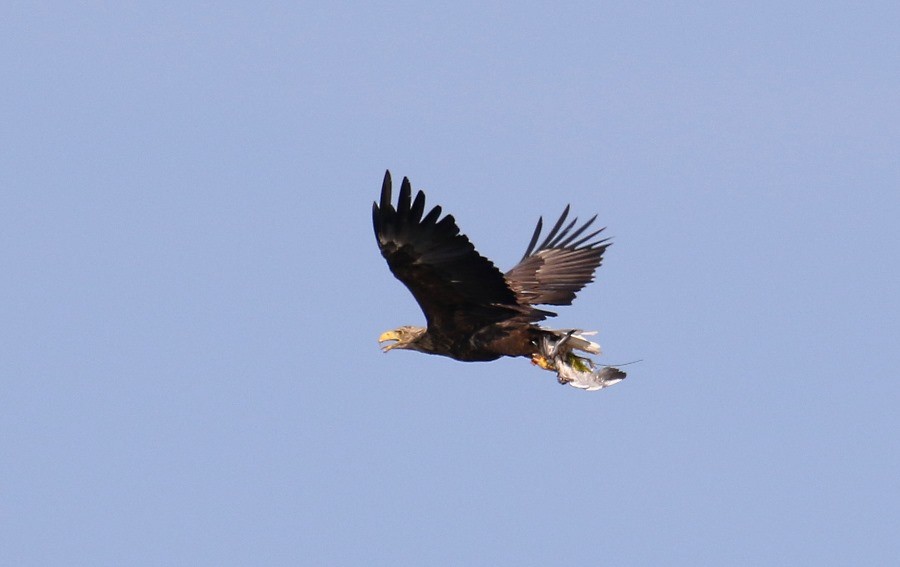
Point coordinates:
[(405, 337)]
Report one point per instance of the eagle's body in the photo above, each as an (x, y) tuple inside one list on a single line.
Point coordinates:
[(474, 312), (484, 344)]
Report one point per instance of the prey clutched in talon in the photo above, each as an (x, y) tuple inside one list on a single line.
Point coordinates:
[(556, 353)]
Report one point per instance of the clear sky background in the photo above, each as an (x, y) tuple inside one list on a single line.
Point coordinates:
[(191, 291)]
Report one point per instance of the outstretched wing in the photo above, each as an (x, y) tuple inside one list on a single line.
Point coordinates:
[(449, 279), (563, 264)]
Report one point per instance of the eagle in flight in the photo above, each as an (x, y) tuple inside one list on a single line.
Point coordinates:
[(473, 311)]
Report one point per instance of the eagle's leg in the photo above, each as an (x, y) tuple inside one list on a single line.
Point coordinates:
[(543, 361)]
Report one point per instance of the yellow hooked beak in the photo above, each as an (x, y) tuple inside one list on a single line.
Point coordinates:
[(389, 336)]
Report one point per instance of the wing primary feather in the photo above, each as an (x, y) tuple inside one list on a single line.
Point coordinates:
[(418, 207), (447, 226), (555, 229), (534, 237), (432, 216), (562, 234), (578, 232), (403, 200), (590, 236), (386, 191), (376, 220)]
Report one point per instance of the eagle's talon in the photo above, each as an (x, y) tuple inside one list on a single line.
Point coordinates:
[(543, 362)]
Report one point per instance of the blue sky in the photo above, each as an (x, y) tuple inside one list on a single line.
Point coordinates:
[(192, 292)]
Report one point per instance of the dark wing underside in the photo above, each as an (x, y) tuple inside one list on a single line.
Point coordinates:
[(563, 263), (455, 286)]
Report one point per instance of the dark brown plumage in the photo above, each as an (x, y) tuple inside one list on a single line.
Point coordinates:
[(473, 311)]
